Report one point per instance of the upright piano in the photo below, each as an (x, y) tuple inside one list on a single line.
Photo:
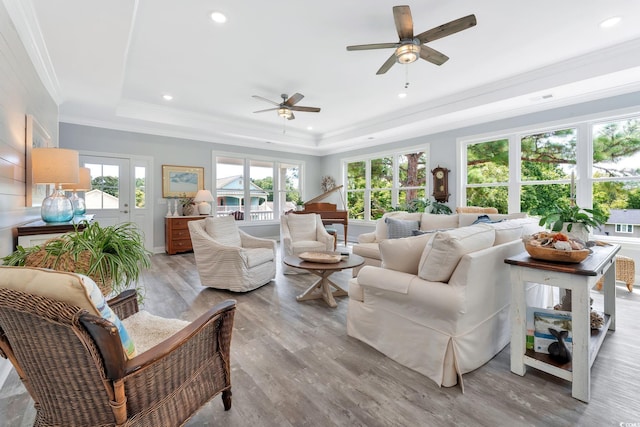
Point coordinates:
[(329, 212)]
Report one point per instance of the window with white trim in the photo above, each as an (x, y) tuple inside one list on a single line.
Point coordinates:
[(624, 228)]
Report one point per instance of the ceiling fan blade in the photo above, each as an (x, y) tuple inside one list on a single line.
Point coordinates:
[(404, 23), (432, 55), (307, 109), (268, 109), (293, 99), (373, 46), (265, 99), (388, 64), (291, 117), (447, 29)]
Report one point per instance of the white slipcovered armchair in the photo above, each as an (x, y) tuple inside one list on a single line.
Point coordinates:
[(302, 233), (229, 258)]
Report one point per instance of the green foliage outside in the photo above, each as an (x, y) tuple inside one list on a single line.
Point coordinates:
[(550, 156)]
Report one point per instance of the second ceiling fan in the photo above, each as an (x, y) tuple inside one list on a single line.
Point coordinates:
[(409, 47), (287, 106)]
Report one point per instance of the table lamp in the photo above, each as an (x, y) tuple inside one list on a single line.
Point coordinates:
[(79, 206), (203, 198), (55, 166)]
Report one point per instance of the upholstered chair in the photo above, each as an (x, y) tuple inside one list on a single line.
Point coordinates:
[(90, 362), (476, 209), (229, 258), (302, 233)]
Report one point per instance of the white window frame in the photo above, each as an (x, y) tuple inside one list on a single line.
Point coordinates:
[(395, 188)]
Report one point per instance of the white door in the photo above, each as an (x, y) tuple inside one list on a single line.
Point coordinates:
[(118, 193)]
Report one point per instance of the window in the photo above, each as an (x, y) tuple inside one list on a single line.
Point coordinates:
[(624, 228), (594, 163), (255, 189), (384, 182)]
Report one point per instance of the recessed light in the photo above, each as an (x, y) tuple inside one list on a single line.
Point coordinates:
[(309, 127), (218, 17), (167, 97), (402, 95), (610, 22)]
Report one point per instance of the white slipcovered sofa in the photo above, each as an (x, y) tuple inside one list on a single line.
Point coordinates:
[(440, 302), (368, 243)]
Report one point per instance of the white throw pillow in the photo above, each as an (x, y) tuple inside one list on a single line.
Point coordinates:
[(302, 226), (223, 230), (403, 254), (438, 222), (442, 254)]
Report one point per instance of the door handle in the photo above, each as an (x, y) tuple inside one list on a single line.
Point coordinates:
[(125, 211)]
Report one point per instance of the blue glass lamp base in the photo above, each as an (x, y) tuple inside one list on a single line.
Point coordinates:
[(57, 208), (79, 206)]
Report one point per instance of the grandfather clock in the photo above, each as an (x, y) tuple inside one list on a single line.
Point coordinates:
[(441, 184)]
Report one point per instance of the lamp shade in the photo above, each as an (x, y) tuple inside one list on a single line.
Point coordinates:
[(83, 184), (55, 166), (203, 196)]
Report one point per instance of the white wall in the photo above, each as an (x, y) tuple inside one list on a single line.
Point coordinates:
[(21, 93)]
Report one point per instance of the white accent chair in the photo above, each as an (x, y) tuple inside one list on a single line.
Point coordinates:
[(229, 258), (302, 233)]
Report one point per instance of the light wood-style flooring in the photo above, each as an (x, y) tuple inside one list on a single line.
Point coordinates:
[(294, 365)]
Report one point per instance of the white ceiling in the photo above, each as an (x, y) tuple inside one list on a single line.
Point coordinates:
[(108, 64)]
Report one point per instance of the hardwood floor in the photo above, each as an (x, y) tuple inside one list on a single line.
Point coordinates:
[(294, 365)]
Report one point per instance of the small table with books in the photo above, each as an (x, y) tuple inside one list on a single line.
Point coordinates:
[(579, 278)]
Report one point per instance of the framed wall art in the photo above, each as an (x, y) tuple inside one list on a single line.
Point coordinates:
[(181, 181), (36, 136)]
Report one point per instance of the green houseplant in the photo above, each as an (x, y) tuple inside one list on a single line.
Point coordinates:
[(571, 215), (113, 256)]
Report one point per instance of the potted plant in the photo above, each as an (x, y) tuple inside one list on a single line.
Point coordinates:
[(572, 218), (299, 204), (113, 256), (188, 205)]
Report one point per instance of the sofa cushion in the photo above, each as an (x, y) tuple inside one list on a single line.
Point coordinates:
[(148, 330), (258, 256), (367, 250), (403, 254), (72, 288), (302, 226), (438, 222), (399, 228), (443, 252), (381, 226), (506, 231), (466, 219), (223, 230)]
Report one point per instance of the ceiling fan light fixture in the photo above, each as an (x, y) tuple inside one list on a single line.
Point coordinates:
[(407, 53), (284, 112)]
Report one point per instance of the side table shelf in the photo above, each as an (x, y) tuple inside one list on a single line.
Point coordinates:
[(580, 279)]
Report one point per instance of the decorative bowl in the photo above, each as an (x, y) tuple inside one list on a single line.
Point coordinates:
[(555, 255), (321, 257)]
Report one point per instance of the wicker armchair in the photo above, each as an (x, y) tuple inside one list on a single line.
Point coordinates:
[(73, 365), (625, 272)]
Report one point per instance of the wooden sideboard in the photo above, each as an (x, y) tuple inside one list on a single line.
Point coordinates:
[(176, 233)]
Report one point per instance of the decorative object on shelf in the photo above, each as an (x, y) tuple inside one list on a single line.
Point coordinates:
[(56, 166), (597, 320), (327, 183), (556, 247), (441, 184), (188, 206), (182, 181), (84, 184), (112, 256), (202, 199), (169, 211), (571, 218), (321, 257), (558, 350), (175, 207)]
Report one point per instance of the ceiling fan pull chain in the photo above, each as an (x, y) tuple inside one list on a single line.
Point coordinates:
[(406, 76)]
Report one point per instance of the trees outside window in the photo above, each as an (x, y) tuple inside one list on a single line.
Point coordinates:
[(384, 182)]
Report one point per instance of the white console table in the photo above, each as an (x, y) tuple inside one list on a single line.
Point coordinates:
[(580, 279)]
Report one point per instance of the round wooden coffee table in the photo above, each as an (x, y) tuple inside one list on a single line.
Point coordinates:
[(323, 284)]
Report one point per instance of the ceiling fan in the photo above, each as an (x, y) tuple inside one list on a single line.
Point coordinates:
[(410, 47), (287, 106)]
